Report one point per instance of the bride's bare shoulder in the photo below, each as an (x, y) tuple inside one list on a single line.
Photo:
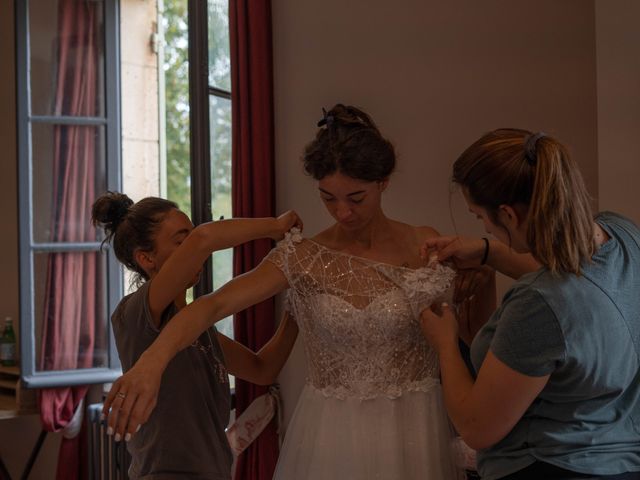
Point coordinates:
[(417, 233), (326, 237), (424, 232)]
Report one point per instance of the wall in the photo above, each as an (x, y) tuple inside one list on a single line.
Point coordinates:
[(139, 74), (434, 75), (618, 67)]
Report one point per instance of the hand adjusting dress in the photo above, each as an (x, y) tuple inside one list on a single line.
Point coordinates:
[(372, 405)]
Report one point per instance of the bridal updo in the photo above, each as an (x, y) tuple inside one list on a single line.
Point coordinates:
[(350, 143)]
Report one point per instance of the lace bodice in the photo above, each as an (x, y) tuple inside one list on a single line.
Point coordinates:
[(359, 319)]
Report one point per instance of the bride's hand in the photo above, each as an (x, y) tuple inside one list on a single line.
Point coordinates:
[(131, 400), (465, 252)]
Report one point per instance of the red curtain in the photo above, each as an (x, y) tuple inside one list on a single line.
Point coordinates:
[(71, 303), (253, 195)]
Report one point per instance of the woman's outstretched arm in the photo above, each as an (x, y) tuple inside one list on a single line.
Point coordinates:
[(133, 396), (468, 252), (195, 247)]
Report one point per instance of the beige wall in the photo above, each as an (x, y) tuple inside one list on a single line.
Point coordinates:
[(139, 74), (618, 60), (9, 301), (434, 75)]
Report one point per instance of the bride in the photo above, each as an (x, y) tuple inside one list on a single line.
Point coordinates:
[(372, 405)]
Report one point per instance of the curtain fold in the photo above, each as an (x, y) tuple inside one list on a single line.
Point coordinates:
[(71, 303), (253, 194)]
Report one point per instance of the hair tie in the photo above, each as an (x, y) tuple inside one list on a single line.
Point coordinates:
[(531, 147), (326, 119)]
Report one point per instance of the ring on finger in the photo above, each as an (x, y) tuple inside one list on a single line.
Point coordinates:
[(121, 395)]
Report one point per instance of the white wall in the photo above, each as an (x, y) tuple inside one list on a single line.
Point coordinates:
[(435, 76)]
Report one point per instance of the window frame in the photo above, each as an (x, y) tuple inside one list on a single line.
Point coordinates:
[(27, 246), (199, 126), (200, 92)]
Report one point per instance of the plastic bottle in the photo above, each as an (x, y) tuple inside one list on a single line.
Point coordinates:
[(8, 344)]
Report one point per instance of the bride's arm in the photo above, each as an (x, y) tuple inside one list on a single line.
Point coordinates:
[(262, 367)]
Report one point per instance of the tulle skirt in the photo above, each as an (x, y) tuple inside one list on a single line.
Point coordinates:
[(403, 438)]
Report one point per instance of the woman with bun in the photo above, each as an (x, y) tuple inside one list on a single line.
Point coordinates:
[(184, 437)]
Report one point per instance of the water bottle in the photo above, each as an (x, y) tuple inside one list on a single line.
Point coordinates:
[(8, 344)]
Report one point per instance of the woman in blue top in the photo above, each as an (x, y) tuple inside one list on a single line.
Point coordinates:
[(557, 390)]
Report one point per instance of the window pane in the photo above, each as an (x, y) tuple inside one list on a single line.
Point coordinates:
[(220, 141), (219, 56), (70, 310), (220, 124), (176, 78), (67, 58), (68, 175)]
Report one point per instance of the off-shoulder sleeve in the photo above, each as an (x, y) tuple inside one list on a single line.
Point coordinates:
[(423, 286)]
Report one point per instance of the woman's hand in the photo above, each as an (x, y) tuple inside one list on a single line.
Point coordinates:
[(465, 252), (286, 222), (468, 252), (440, 327), (131, 400)]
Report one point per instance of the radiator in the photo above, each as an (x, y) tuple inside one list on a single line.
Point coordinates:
[(108, 460)]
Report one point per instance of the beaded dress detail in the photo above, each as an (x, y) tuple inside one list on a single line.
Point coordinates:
[(371, 407)]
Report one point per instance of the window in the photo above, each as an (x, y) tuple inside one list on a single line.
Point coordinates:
[(72, 146), (198, 174), (219, 89), (69, 153)]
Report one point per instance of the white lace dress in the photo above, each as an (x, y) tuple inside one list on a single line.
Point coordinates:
[(372, 405)]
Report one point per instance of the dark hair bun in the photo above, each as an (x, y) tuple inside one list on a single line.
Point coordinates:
[(109, 210), (349, 142)]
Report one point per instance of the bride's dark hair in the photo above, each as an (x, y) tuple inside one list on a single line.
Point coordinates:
[(349, 142)]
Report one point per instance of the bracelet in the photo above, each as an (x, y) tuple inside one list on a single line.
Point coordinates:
[(485, 255)]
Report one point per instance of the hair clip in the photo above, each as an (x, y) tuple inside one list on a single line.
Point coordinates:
[(326, 119)]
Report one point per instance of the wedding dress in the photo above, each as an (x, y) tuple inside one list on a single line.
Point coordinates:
[(372, 405)]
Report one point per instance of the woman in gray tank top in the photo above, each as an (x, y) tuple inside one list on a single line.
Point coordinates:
[(185, 435)]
